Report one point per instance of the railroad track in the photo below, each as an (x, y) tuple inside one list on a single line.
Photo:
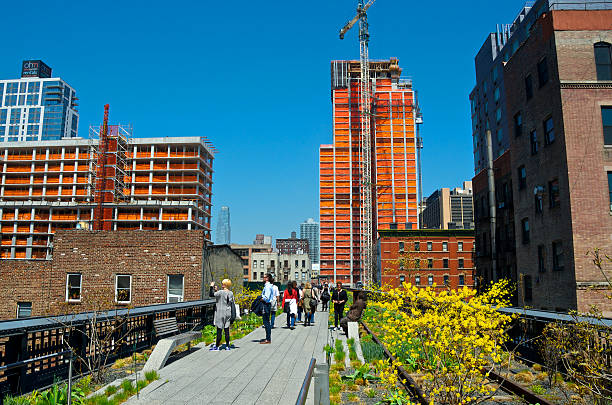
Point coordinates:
[(506, 385)]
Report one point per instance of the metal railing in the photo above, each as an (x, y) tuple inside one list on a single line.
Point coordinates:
[(33, 351), (301, 399)]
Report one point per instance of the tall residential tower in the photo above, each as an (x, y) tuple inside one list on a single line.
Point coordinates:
[(309, 230), (393, 179), (37, 107)]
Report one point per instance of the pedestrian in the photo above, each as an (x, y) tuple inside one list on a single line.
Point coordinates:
[(290, 298), (267, 296), (300, 303), (223, 312), (325, 297), (310, 305), (339, 298), (274, 305)]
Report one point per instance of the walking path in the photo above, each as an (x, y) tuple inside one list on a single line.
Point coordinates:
[(249, 374)]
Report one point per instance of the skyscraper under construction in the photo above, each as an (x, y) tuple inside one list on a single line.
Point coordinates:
[(393, 181)]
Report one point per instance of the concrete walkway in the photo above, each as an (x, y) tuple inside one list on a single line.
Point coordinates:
[(249, 374)]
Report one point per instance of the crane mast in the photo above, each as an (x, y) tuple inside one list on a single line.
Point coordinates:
[(366, 184)]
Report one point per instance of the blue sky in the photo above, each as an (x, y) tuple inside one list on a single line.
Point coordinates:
[(253, 77)]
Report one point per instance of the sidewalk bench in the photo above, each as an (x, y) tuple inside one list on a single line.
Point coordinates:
[(165, 346)]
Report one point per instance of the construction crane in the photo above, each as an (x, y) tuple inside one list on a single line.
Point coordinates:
[(366, 225)]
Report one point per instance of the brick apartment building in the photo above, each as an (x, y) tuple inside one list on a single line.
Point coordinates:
[(292, 245), (556, 140), (120, 268), (430, 256)]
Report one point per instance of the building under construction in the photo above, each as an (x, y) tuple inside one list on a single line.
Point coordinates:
[(108, 182), (392, 181)]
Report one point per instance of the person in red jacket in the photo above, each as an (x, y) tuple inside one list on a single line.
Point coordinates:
[(290, 299)]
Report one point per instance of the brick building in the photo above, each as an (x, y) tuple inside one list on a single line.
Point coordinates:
[(557, 80), (425, 257), (123, 268), (246, 255), (292, 245)]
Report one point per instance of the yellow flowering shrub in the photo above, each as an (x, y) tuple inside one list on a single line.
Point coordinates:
[(447, 338)]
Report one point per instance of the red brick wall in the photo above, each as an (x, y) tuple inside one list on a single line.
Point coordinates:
[(577, 157), (149, 256), (24, 281), (390, 255)]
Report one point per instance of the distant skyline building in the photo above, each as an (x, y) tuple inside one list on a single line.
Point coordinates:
[(449, 209), (37, 107), (309, 230), (224, 233)]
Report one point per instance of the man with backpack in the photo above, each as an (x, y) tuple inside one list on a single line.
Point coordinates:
[(325, 297)]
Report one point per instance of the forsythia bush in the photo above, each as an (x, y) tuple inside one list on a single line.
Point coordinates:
[(446, 338)]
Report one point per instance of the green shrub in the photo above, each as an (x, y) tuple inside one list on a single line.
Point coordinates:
[(352, 355), (350, 342), (141, 384), (538, 389), (339, 357), (372, 351), (110, 390), (151, 375), (11, 400), (127, 387), (335, 389)]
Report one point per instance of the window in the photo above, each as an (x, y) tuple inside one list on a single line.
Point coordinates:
[(496, 94), (518, 124), (533, 140), (15, 115), (606, 120), (123, 288), (297, 275), (272, 264), (498, 115), (445, 246), (549, 131), (429, 263), (522, 177), (459, 246), (446, 279), (417, 246), (553, 193), (525, 230), (296, 263), (430, 280), (539, 204), (24, 309), (254, 275), (541, 258), (33, 87), (610, 188), (402, 279), (73, 287), (445, 263), (528, 87), (429, 246), (245, 272), (417, 280), (557, 252), (603, 61), (393, 226), (261, 264), (176, 288), (461, 263), (303, 263), (542, 72), (401, 246), (528, 287), (254, 264), (417, 263), (461, 279)]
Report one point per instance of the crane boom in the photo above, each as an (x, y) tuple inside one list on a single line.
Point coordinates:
[(366, 183)]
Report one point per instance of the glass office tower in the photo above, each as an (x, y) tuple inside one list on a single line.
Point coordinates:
[(309, 230), (37, 107), (223, 227)]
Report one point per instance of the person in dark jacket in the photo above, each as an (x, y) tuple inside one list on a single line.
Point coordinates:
[(339, 298), (325, 296)]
